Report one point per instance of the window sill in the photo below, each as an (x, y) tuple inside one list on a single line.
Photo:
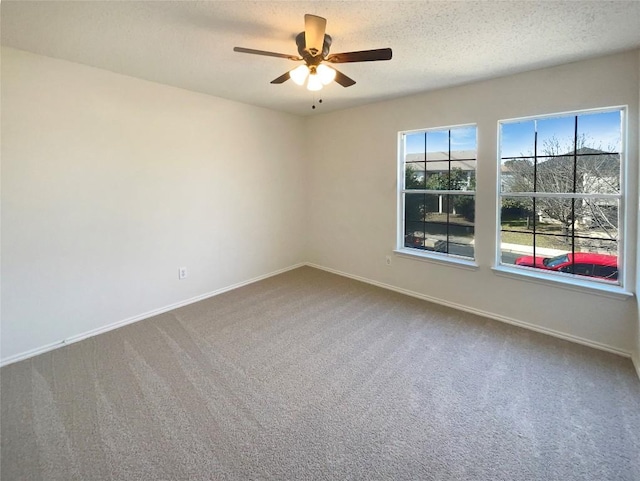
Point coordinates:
[(436, 258), (577, 285)]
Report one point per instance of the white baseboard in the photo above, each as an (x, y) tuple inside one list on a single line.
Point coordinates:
[(490, 315), (636, 363), (140, 317), (94, 332)]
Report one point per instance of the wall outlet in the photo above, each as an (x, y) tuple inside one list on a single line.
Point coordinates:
[(182, 272), (388, 260)]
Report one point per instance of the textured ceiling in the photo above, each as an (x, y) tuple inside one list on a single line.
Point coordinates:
[(435, 43)]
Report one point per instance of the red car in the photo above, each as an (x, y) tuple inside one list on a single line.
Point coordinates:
[(581, 263)]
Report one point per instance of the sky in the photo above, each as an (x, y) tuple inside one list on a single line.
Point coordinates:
[(601, 129), (462, 138)]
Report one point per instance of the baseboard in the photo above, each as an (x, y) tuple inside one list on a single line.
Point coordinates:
[(490, 315), (140, 317), (94, 332), (636, 363)]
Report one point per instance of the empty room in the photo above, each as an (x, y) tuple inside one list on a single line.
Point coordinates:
[(320, 240)]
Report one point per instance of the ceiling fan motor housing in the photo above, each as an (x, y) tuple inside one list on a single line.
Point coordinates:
[(308, 56)]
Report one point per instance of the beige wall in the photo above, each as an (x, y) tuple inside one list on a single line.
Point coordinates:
[(353, 195), (111, 183)]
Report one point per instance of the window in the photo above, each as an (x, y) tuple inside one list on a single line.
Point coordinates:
[(437, 191), (561, 191)]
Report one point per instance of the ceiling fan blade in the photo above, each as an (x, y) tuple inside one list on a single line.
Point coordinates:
[(265, 53), (314, 29), (282, 79), (343, 80), (361, 56)]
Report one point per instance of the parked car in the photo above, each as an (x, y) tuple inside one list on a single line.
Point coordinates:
[(581, 263)]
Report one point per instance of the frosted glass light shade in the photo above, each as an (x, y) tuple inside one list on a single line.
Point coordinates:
[(314, 83), (326, 73), (299, 74)]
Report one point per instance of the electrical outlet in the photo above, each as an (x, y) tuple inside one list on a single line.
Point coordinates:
[(182, 272), (388, 260)]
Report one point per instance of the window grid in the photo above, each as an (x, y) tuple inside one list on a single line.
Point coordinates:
[(445, 198), (574, 196)]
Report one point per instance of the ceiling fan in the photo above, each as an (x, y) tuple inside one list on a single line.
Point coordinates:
[(313, 47)]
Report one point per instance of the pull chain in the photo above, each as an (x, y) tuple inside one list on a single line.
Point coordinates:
[(314, 101)]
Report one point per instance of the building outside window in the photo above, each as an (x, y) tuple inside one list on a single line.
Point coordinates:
[(561, 191), (437, 191)]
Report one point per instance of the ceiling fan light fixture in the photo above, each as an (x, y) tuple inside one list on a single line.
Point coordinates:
[(313, 48), (314, 83), (326, 74), (299, 74)]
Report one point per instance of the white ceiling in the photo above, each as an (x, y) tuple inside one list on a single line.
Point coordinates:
[(435, 43)]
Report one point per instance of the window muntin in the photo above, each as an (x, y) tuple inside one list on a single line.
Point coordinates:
[(437, 195), (561, 193)]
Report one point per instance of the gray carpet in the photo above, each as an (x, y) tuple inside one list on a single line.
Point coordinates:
[(309, 376)]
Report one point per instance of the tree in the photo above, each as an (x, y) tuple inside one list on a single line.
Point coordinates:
[(413, 204), (416, 207), (456, 179), (567, 168)]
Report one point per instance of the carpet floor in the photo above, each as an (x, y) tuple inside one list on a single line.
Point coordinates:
[(312, 376)]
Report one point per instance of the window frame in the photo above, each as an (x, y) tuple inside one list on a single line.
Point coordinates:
[(570, 281), (426, 255)]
